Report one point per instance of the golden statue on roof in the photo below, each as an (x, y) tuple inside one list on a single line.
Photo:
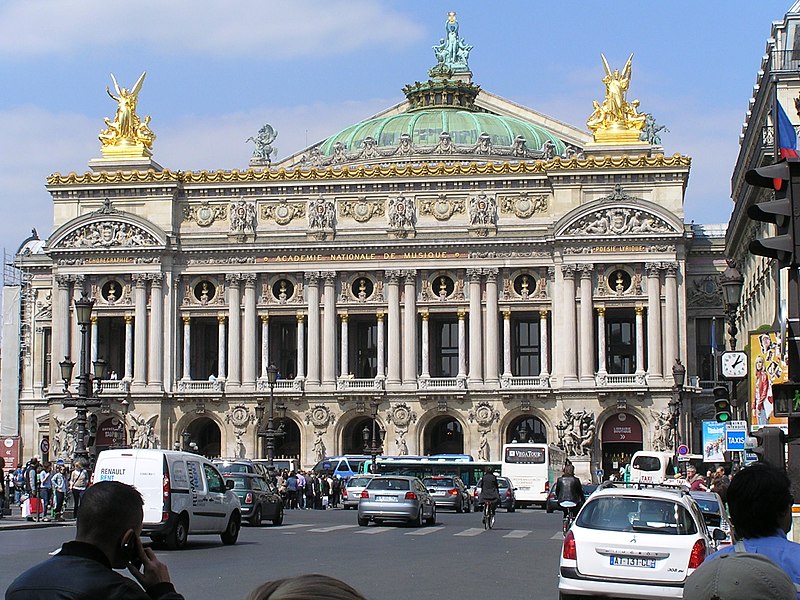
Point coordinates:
[(616, 121), (127, 135)]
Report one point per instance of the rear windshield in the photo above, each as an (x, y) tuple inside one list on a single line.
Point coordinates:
[(234, 468), (431, 482), (647, 463), (613, 513), (240, 483), (358, 482), (389, 484)]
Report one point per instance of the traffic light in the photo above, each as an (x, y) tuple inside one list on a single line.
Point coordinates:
[(770, 449), (784, 179), (722, 404)]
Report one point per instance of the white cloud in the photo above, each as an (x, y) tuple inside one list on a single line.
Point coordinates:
[(257, 29)]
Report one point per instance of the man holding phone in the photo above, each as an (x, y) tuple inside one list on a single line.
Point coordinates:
[(109, 524)]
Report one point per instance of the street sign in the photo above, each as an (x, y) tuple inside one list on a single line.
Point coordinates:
[(750, 457), (736, 426), (734, 440), (44, 445), (683, 450)]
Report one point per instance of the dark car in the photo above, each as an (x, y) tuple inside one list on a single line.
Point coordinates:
[(448, 492), (258, 497), (552, 503), (508, 498)]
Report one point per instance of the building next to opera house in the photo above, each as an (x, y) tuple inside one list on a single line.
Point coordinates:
[(465, 270)]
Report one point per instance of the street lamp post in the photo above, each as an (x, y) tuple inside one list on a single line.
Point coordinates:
[(372, 444), (675, 403), (271, 433), (87, 396), (732, 283)]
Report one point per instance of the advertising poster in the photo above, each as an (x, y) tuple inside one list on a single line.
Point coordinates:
[(767, 367), (713, 441), (9, 451)]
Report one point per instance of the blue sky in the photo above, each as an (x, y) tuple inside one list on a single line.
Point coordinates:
[(217, 70)]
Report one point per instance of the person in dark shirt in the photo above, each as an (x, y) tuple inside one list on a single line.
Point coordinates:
[(490, 491), (108, 529), (568, 488)]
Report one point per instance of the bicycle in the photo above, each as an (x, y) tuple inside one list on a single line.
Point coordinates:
[(569, 516), (488, 514)]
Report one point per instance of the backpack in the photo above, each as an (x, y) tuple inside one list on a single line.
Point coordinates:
[(19, 478)]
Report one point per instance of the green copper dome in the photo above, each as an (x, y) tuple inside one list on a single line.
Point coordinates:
[(425, 127)]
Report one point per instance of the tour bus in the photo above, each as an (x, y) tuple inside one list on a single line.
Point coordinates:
[(533, 468), (468, 470)]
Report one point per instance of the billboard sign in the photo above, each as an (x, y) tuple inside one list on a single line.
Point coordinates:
[(713, 441), (767, 369)]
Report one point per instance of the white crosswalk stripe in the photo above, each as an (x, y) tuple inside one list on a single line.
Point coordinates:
[(332, 528), (296, 525), (425, 531), (374, 530), (517, 533), (558, 536), (470, 532)]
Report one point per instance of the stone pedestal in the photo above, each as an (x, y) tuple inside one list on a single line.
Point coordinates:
[(584, 468)]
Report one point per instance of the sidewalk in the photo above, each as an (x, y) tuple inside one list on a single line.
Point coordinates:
[(16, 521)]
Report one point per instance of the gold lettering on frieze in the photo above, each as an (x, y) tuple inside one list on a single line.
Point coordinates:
[(362, 256), (107, 260), (614, 249)]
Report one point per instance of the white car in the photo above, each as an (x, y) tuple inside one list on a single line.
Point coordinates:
[(351, 490), (632, 541)]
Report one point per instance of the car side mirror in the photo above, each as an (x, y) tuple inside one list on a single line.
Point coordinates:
[(719, 535), (229, 483)]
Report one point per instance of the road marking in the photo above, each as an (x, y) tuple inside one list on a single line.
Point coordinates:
[(374, 530), (558, 536), (425, 531), (293, 526), (470, 532), (332, 528), (517, 533)]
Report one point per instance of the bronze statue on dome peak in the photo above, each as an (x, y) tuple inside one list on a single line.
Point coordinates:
[(452, 52), (127, 134), (616, 120)]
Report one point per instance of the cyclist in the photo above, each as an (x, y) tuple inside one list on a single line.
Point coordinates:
[(490, 492), (569, 489)]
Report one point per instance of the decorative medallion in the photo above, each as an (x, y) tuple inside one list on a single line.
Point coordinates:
[(319, 415), (204, 215), (401, 415), (283, 212), (239, 416), (525, 205), (484, 414), (361, 210), (442, 207)]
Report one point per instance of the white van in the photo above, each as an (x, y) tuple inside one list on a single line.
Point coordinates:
[(650, 466), (183, 493)]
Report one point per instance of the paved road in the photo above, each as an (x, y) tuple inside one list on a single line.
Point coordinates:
[(456, 558)]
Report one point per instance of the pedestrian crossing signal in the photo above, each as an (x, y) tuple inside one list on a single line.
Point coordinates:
[(722, 404)]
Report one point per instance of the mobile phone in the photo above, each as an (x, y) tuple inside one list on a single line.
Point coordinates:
[(131, 553)]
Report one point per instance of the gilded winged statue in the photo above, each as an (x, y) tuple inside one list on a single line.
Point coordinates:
[(127, 129), (616, 119)]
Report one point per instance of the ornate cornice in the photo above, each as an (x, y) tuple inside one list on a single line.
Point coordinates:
[(371, 171)]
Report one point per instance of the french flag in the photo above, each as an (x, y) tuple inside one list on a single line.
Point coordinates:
[(785, 136)]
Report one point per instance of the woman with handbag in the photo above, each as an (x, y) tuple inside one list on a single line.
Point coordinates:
[(78, 482)]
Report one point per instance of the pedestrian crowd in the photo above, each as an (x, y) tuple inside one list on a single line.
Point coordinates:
[(42, 490), (308, 490)]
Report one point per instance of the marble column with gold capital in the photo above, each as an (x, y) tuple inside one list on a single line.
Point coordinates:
[(249, 330), (330, 321), (586, 341), (345, 344), (265, 346), (544, 344), (140, 329), (187, 347), (462, 343), (426, 353), (301, 347), (393, 327), (569, 339), (492, 345), (654, 319), (602, 346), (507, 344), (155, 367), (234, 328), (475, 328), (221, 353), (410, 329), (312, 289), (639, 312), (671, 329), (381, 326)]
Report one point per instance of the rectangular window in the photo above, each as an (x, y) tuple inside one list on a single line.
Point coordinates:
[(366, 350), (620, 341), (708, 339), (47, 355), (283, 346), (444, 342), (526, 350)]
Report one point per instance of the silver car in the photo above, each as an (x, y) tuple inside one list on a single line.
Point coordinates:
[(396, 497), (449, 492), (351, 492)]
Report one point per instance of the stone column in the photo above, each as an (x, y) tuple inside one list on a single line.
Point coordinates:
[(345, 328), (602, 349), (264, 345), (410, 330), (475, 328), (462, 343), (379, 316), (249, 330), (653, 319), (544, 344), (140, 330), (426, 367), (301, 347), (128, 347), (586, 333), (221, 359), (492, 342), (393, 327), (507, 343), (670, 316), (94, 332), (329, 331), (155, 368), (312, 287), (234, 328), (639, 310), (570, 340), (187, 348), (61, 327)]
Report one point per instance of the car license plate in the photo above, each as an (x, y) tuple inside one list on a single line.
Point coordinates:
[(386, 498), (630, 561)]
